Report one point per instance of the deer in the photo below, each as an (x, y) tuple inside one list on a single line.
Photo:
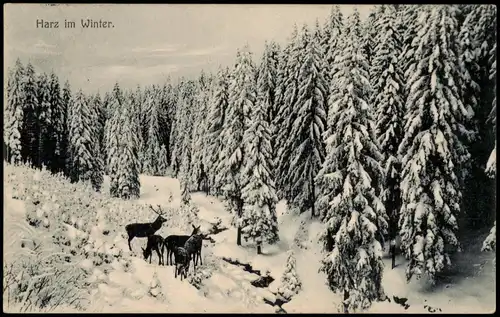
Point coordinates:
[(143, 230), (173, 241), (182, 260), (193, 247), (155, 243)]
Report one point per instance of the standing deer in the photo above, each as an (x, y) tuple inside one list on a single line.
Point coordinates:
[(182, 260), (143, 230), (173, 241), (193, 247), (155, 243)]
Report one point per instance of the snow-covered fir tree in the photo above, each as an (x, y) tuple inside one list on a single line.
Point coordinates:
[(198, 170), (305, 138), (490, 242), (242, 98), (151, 150), (67, 101), (269, 68), (431, 149), (59, 126), (408, 28), (13, 116), (166, 115), (122, 149), (81, 140), (290, 281), (163, 161), (369, 33), (190, 212), (128, 169), (101, 118), (216, 118), (286, 96), (388, 101), (45, 147), (182, 132), (185, 195), (331, 36), (259, 222), (355, 216), (97, 178)]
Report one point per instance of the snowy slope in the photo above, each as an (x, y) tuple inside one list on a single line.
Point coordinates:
[(129, 284)]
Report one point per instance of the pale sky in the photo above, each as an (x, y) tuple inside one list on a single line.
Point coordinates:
[(148, 41)]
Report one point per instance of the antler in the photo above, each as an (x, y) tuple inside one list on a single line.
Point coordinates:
[(157, 212)]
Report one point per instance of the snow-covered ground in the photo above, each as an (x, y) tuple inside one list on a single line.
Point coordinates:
[(129, 284)]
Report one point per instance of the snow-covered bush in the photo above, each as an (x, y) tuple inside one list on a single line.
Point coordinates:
[(290, 282), (301, 236), (53, 235), (196, 279), (155, 289), (490, 243), (37, 275)]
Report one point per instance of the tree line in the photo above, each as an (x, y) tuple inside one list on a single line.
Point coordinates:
[(379, 128)]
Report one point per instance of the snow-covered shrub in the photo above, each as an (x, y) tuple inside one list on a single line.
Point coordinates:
[(155, 289), (36, 273), (196, 279), (301, 236), (290, 282), (490, 243)]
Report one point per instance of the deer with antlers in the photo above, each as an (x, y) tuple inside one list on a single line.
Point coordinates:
[(144, 230)]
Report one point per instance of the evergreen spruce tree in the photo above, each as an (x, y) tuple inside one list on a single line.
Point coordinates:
[(490, 242), (122, 149), (67, 102), (198, 170), (331, 35), (152, 146), (216, 119), (387, 85), (355, 216), (181, 151), (259, 221), (286, 96), (408, 28), (166, 115), (163, 161), (30, 132), (290, 282), (58, 128), (268, 73), (128, 169), (431, 149), (46, 142), (81, 142), (242, 98), (475, 89), (305, 139), (97, 131), (112, 131), (369, 33), (13, 116)]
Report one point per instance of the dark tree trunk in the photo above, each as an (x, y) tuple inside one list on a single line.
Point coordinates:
[(239, 203), (259, 248), (346, 297), (238, 237), (313, 198), (393, 253)]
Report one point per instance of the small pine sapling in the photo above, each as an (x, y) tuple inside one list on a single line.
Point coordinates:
[(290, 282)]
